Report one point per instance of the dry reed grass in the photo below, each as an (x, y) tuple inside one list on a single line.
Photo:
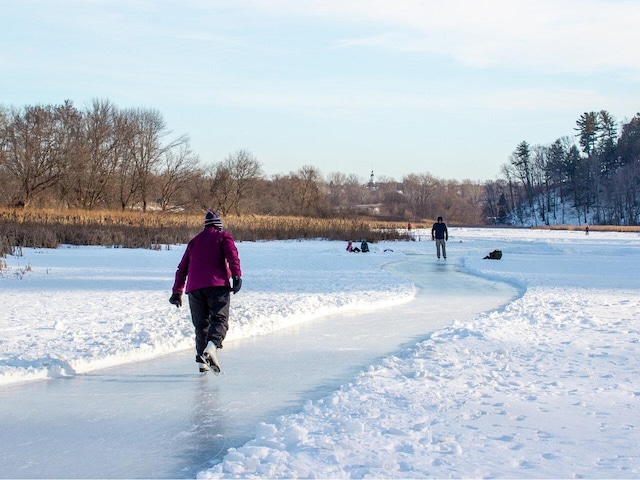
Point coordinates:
[(50, 228)]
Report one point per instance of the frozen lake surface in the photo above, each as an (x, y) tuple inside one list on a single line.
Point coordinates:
[(160, 419)]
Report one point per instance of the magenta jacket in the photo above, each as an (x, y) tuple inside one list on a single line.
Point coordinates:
[(210, 259)]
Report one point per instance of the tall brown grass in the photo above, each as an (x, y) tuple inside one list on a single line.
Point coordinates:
[(50, 228)]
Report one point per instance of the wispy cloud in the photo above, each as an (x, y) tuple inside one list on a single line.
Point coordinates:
[(564, 35)]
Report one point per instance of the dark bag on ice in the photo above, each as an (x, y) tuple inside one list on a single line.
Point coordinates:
[(495, 255)]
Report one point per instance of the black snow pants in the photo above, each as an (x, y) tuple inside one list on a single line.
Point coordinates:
[(210, 316)]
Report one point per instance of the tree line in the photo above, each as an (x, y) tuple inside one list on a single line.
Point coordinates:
[(596, 179), (105, 157)]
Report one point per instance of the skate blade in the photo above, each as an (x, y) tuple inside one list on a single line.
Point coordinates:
[(212, 367)]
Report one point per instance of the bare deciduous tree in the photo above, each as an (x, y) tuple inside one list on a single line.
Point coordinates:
[(306, 183), (179, 169), (420, 191), (245, 173), (146, 149), (36, 148), (103, 144), (126, 179), (234, 182)]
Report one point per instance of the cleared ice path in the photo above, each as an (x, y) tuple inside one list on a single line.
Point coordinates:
[(160, 419)]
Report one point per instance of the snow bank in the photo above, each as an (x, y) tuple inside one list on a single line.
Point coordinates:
[(76, 309), (548, 387)]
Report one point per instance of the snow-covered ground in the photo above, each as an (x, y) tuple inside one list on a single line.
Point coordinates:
[(547, 387), (75, 309)]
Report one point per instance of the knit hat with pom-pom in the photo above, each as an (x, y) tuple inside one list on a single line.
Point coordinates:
[(212, 219)]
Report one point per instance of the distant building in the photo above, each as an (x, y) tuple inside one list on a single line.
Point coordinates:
[(372, 184), (370, 209)]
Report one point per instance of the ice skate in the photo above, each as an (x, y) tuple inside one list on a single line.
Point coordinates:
[(210, 358)]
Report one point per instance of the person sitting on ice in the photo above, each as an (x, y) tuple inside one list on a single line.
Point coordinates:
[(364, 246), (351, 248)]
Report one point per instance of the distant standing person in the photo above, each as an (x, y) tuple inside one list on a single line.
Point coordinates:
[(440, 234), (210, 259)]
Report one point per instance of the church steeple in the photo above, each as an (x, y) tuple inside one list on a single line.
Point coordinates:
[(372, 183)]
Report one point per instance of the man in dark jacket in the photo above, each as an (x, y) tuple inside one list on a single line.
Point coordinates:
[(440, 234), (210, 259)]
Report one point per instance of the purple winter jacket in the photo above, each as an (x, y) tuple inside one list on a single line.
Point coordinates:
[(210, 259)]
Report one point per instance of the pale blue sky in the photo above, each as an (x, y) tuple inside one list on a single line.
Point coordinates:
[(446, 87)]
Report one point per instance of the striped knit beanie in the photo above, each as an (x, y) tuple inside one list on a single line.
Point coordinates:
[(212, 219)]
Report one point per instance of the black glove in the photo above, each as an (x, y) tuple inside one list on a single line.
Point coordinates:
[(237, 284), (176, 299)]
